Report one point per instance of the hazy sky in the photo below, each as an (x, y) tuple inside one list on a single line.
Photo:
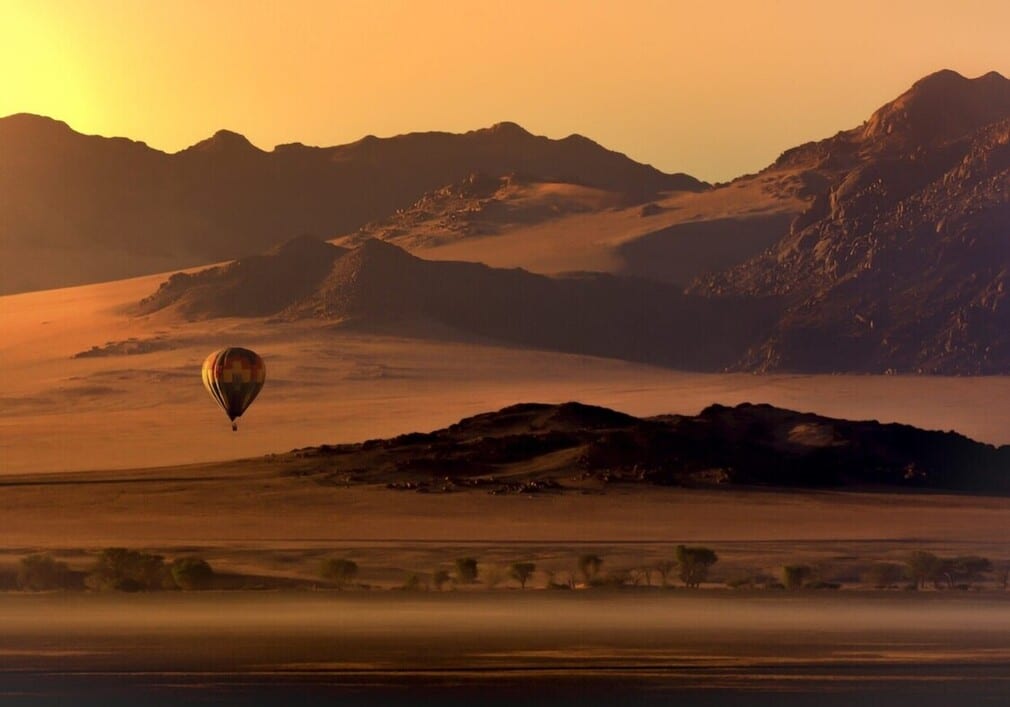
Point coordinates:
[(715, 89)]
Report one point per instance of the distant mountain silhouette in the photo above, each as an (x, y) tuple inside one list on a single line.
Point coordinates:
[(83, 208), (533, 447), (379, 284), (901, 261)]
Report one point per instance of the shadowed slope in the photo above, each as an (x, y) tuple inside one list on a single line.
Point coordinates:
[(380, 285)]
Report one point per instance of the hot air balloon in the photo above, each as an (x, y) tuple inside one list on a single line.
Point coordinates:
[(234, 377)]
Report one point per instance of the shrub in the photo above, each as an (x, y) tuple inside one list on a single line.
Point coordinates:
[(191, 573), (339, 571), (40, 572), (466, 570), (127, 570)]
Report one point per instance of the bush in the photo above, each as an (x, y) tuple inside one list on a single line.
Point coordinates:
[(192, 573), (339, 571), (40, 572), (466, 570), (125, 570)]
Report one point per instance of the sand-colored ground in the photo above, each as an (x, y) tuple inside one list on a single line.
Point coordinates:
[(592, 241), (326, 384)]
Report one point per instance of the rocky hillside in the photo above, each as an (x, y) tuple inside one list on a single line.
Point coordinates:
[(901, 262), (536, 447), (82, 208), (484, 205), (380, 285)]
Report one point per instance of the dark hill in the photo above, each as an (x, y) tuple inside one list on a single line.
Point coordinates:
[(530, 447), (258, 285), (378, 284), (82, 208)]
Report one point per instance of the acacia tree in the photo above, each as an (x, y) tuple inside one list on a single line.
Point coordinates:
[(521, 572), (923, 567), (694, 563)]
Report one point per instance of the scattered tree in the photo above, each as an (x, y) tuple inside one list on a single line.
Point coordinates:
[(923, 567), (589, 566), (694, 563), (521, 572), (466, 570), (191, 573), (340, 571)]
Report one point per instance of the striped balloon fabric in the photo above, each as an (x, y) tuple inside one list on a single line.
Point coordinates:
[(234, 377)]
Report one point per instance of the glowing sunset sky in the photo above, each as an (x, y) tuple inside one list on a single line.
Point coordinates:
[(712, 89)]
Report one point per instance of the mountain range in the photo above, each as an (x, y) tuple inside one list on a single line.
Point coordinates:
[(881, 249), (81, 208)]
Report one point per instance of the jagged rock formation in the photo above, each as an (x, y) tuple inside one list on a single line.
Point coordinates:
[(900, 264)]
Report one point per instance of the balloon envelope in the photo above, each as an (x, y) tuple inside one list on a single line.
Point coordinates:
[(234, 377)]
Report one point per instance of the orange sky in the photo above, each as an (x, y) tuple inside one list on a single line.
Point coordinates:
[(714, 89)]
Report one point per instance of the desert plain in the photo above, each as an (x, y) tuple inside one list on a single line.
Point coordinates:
[(124, 449)]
